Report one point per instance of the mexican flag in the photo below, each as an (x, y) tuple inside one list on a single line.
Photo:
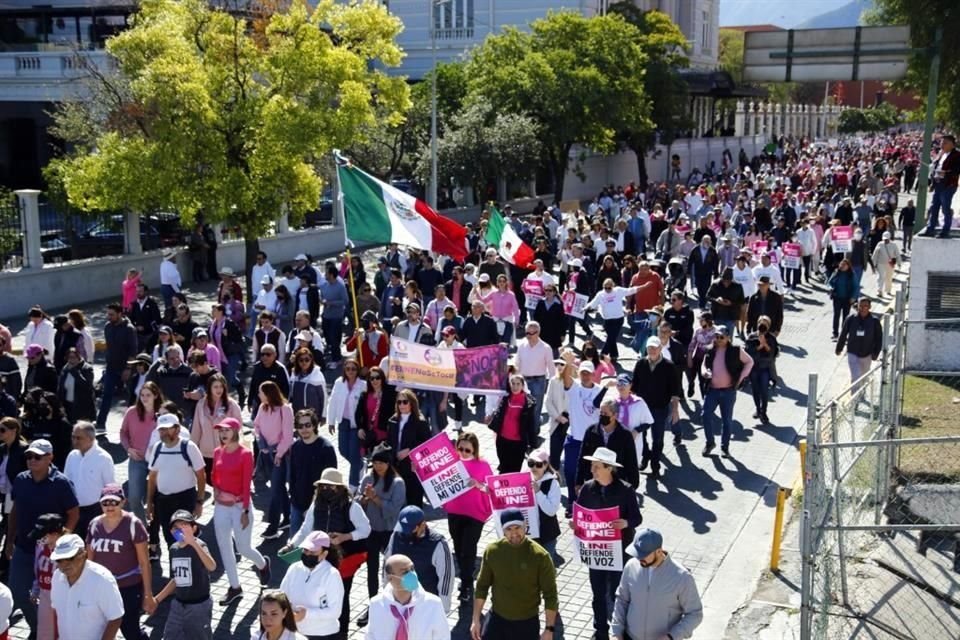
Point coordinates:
[(378, 213), (501, 235)]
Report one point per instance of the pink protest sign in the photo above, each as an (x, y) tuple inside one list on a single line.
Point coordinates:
[(792, 255), (759, 247), (841, 238), (514, 491), (533, 290), (598, 543), (574, 303), (440, 470)]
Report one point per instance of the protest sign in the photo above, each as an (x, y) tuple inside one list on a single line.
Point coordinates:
[(841, 238), (758, 247), (514, 491), (440, 470), (476, 370), (533, 290), (574, 303), (792, 255), (597, 542)]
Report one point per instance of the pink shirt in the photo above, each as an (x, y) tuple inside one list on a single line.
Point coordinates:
[(134, 432), (603, 370), (474, 503), (721, 378), (232, 472), (503, 306), (511, 417), (129, 291), (275, 425)]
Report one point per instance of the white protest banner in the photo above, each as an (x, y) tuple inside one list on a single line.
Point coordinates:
[(533, 290), (440, 470), (514, 491), (574, 303), (792, 255), (597, 542), (841, 238)]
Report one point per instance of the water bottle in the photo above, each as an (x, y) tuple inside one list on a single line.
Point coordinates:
[(178, 535)]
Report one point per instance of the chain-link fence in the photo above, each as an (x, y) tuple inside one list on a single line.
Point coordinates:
[(881, 503)]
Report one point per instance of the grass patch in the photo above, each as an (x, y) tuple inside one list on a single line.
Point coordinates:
[(931, 408)]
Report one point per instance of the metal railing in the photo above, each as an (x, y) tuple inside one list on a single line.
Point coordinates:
[(880, 533)]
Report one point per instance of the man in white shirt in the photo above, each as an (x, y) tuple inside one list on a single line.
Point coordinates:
[(766, 268), (84, 594), (177, 476), (266, 300), (89, 468), (535, 363), (170, 282), (261, 268), (583, 397), (609, 300), (403, 601)]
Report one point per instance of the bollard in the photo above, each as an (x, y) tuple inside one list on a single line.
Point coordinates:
[(782, 494)]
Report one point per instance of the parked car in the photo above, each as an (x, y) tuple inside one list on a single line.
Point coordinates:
[(106, 237)]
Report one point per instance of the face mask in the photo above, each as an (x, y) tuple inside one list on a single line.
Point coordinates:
[(604, 420), (857, 235), (309, 561), (410, 581)]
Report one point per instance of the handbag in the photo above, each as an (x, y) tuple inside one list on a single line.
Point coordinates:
[(225, 498)]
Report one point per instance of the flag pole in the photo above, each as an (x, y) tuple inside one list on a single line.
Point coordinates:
[(339, 212)]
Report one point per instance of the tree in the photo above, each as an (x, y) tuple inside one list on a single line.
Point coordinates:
[(205, 114), (730, 54), (580, 79), (664, 45), (923, 18), (872, 119), (481, 144)]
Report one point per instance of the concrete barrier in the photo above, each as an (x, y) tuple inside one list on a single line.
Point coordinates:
[(61, 286)]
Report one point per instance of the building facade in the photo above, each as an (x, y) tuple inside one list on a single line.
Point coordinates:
[(459, 25)]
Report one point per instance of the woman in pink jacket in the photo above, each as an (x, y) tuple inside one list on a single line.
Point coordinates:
[(211, 410), (467, 513), (273, 428)]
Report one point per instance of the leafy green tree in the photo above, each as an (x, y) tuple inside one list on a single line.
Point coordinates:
[(923, 17), (481, 144), (580, 79), (207, 114), (878, 118), (664, 45)]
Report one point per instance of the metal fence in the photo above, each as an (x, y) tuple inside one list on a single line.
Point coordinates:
[(881, 505), (11, 243)]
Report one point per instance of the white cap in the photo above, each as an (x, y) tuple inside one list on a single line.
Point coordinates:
[(604, 455), (266, 280), (67, 547), (654, 341), (886, 235), (300, 256), (167, 420), (484, 277), (586, 366), (576, 262)]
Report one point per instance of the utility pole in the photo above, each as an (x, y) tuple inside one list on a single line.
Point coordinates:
[(432, 191)]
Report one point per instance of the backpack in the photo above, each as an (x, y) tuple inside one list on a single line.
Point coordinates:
[(183, 452)]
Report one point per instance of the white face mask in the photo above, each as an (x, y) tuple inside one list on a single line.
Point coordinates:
[(858, 235)]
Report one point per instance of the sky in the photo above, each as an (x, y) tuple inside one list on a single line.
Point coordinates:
[(783, 13)]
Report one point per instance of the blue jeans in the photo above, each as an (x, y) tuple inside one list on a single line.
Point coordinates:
[(724, 398), (332, 329), (279, 498), (137, 486), (942, 197), (231, 370), (109, 382), (538, 388), (296, 519), (167, 292), (571, 459), (857, 276), (20, 581), (760, 387), (348, 444)]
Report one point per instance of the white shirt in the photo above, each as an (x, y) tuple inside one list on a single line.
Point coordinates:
[(89, 605), (6, 607), (534, 360), (343, 405), (266, 299), (173, 473), (169, 274), (260, 270), (746, 279), (291, 284), (89, 472), (320, 592), (427, 621), (611, 303), (583, 413), (774, 272), (42, 334)]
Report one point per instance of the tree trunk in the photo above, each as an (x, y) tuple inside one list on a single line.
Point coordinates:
[(251, 244), (558, 167), (641, 167)]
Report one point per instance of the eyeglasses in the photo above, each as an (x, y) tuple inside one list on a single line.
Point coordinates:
[(467, 450), (403, 401), (304, 425), (536, 465), (109, 503)]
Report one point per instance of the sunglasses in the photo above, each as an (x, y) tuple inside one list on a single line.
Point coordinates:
[(304, 425), (372, 378), (465, 450), (32, 456), (536, 465), (109, 503), (531, 333), (4, 430), (403, 401)]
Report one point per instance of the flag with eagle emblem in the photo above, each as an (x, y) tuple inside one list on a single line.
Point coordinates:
[(501, 235)]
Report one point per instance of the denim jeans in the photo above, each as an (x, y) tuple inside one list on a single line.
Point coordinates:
[(571, 458), (538, 388), (109, 382), (760, 388), (348, 444), (137, 486), (279, 498), (296, 519), (857, 276), (841, 309), (332, 329), (604, 585), (20, 581), (231, 371), (557, 438), (723, 398), (166, 291), (942, 197)]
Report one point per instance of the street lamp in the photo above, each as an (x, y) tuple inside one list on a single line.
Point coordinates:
[(432, 189)]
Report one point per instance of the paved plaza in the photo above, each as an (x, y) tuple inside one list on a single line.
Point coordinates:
[(716, 514)]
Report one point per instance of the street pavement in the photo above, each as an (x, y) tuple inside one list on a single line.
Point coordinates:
[(716, 514)]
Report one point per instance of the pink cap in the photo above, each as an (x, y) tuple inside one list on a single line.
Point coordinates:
[(539, 455), (316, 541), (228, 423)]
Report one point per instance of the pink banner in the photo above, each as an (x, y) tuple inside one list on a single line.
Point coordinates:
[(598, 543), (514, 491), (574, 303), (440, 470), (841, 239), (533, 291), (759, 247), (792, 255)]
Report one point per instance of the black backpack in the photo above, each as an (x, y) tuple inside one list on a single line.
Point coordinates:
[(183, 453)]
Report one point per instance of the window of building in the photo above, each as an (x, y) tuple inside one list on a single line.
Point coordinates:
[(453, 18), (943, 299), (705, 31)]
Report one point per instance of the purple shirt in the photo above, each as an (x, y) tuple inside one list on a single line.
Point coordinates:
[(116, 550)]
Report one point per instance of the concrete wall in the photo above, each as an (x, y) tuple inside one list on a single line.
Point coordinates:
[(927, 347), (621, 168), (67, 285)]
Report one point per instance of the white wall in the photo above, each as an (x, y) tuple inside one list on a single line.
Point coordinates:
[(927, 347), (621, 168)]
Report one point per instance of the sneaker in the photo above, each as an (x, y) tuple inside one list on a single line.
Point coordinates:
[(231, 596), (677, 440), (265, 573), (707, 449), (364, 618), (272, 533), (725, 450), (285, 525)]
